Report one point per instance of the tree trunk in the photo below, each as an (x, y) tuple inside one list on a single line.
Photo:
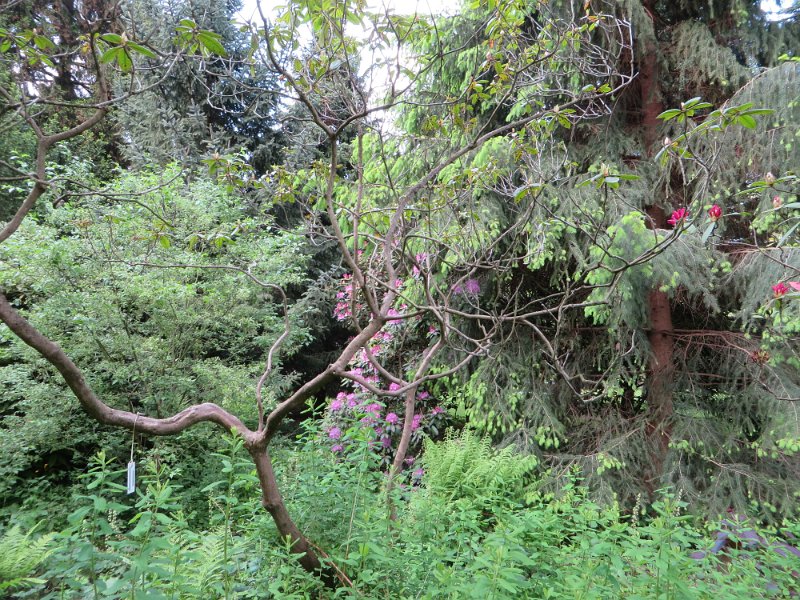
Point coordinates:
[(659, 388), (272, 501), (659, 310)]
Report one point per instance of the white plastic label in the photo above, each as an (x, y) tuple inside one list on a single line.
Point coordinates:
[(131, 477)]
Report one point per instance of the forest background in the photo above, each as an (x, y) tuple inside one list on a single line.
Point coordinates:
[(498, 304)]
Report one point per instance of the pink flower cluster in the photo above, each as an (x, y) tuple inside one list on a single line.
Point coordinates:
[(418, 259), (780, 289), (344, 304), (678, 216), (471, 287)]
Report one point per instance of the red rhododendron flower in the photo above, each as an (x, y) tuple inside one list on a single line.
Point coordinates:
[(780, 289), (678, 216), (715, 212)]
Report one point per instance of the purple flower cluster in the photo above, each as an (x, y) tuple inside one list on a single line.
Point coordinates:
[(471, 287)]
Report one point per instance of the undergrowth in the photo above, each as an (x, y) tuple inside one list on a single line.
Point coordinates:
[(475, 526)]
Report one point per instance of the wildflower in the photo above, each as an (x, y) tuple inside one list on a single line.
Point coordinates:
[(678, 216), (334, 433), (392, 418), (714, 213), (777, 202), (337, 448), (780, 289)]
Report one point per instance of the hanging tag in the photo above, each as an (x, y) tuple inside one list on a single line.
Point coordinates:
[(131, 477)]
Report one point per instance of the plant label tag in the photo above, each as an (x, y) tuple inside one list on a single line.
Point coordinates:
[(131, 477)]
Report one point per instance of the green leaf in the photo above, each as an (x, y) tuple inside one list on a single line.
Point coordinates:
[(141, 50), (43, 43), (124, 60), (110, 55), (211, 43), (746, 121), (788, 234), (112, 38), (669, 114), (707, 233)]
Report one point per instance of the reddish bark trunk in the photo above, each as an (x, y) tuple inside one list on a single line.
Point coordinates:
[(660, 377), (651, 101), (659, 310)]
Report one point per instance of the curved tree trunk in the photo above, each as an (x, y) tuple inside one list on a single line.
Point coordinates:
[(208, 412), (272, 501)]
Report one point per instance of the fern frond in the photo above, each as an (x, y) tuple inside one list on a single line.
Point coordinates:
[(20, 556)]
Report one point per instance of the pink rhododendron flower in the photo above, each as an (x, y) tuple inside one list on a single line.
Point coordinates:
[(437, 411), (373, 408), (393, 387), (472, 286), (795, 285), (714, 213), (334, 433), (423, 396), (336, 405), (416, 422), (392, 418), (678, 216), (337, 448), (780, 289)]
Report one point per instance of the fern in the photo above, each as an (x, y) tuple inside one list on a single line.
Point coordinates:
[(200, 563), (20, 555), (466, 467)]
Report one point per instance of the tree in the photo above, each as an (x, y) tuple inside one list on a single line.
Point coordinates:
[(220, 104), (698, 386)]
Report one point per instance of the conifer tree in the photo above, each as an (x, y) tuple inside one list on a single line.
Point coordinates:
[(694, 375)]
